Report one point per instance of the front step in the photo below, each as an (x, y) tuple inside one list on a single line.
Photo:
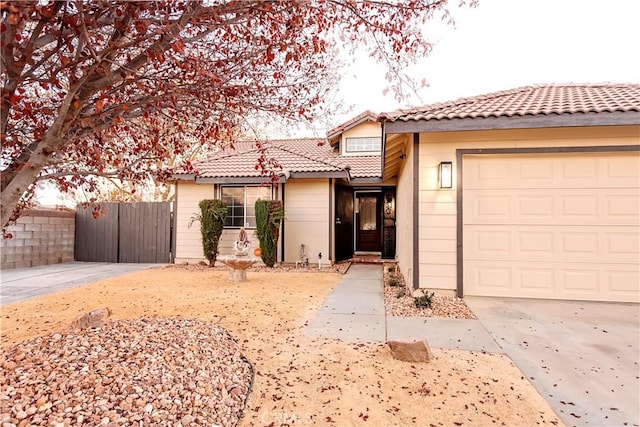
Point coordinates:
[(370, 259)]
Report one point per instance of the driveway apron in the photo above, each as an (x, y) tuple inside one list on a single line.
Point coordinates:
[(581, 356), (22, 283)]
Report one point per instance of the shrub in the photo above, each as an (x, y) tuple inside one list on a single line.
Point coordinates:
[(211, 217), (425, 300), (269, 215), (393, 281), (401, 293)]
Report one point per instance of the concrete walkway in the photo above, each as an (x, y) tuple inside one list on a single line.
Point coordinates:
[(22, 283), (355, 311)]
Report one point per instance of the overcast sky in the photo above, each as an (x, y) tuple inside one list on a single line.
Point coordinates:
[(504, 44)]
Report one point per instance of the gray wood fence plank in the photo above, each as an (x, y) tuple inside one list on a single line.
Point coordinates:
[(128, 232)]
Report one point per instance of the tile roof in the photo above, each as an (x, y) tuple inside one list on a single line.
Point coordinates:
[(364, 166), (296, 156), (530, 101)]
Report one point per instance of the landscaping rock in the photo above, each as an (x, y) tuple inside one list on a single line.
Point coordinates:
[(92, 319), (146, 371), (398, 301), (411, 351)]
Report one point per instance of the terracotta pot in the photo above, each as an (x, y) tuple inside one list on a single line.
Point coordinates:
[(257, 252)]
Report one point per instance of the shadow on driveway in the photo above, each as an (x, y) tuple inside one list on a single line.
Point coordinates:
[(581, 356), (23, 283)]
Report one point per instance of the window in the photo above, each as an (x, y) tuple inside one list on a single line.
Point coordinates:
[(241, 204), (363, 144)]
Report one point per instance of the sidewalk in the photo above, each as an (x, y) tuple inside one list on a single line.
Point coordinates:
[(22, 283), (355, 312)]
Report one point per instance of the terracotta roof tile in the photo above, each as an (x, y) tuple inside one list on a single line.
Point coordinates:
[(365, 166), (530, 101), (294, 155)]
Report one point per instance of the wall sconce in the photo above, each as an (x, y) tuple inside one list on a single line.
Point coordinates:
[(446, 175), (389, 202)]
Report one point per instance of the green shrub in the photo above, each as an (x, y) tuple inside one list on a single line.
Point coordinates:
[(269, 215), (211, 218), (425, 300), (393, 281), (401, 293)]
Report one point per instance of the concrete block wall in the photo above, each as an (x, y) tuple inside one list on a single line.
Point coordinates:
[(39, 237)]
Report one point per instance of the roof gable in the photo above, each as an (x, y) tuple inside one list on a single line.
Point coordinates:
[(351, 123)]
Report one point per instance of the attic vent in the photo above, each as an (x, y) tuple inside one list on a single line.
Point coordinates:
[(355, 145)]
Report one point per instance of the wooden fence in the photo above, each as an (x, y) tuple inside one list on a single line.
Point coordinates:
[(125, 232)]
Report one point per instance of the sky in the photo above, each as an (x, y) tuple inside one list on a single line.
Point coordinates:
[(505, 44)]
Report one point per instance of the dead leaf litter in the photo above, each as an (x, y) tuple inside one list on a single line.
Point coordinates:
[(298, 380)]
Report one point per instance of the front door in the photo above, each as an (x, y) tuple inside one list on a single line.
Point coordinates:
[(344, 223), (368, 222)]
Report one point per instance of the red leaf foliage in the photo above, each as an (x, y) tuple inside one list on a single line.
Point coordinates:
[(127, 89)]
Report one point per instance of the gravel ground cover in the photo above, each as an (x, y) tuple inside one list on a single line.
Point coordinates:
[(146, 371), (398, 301), (339, 267), (298, 380)]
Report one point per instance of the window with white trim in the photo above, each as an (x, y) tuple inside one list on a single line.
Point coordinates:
[(355, 145), (241, 204)]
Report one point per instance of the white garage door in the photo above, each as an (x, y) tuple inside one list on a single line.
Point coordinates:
[(560, 226)]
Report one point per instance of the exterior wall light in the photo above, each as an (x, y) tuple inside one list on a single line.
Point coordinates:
[(446, 174)]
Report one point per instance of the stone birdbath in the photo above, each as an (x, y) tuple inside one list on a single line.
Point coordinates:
[(240, 261)]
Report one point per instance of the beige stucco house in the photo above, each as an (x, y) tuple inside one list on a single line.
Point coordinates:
[(320, 180), (532, 192)]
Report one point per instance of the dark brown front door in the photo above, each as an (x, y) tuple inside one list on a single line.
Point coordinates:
[(368, 222), (344, 223)]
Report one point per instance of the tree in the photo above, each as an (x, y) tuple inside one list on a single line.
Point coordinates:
[(111, 88)]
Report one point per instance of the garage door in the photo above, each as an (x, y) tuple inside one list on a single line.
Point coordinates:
[(559, 226)]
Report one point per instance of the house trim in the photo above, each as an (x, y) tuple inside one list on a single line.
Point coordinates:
[(337, 174), (416, 210), (366, 180), (282, 224), (184, 177), (513, 122), (460, 153), (238, 180)]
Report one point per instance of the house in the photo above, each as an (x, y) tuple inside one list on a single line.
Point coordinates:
[(532, 192), (320, 180)]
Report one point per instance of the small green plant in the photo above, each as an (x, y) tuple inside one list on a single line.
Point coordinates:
[(211, 218), (401, 293), (393, 281), (425, 300)]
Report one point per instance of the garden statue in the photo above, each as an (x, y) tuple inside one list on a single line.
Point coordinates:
[(242, 245), (239, 261)]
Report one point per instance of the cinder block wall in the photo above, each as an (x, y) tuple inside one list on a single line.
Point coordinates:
[(40, 237)]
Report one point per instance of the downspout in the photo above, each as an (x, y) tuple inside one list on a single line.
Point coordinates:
[(459, 228), (282, 237), (331, 221), (416, 210)]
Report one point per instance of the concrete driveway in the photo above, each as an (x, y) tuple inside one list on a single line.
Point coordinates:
[(23, 283), (581, 356)]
